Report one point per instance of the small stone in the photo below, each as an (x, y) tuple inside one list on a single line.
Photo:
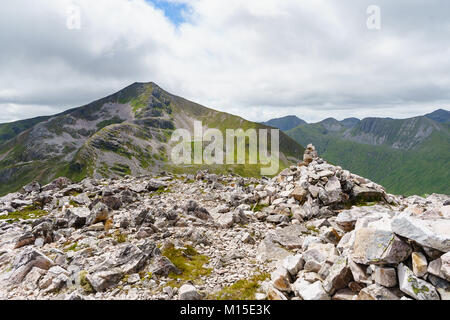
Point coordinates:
[(344, 295), (260, 296), (133, 278), (419, 262), (387, 277), (376, 292), (293, 264), (188, 292), (281, 279), (434, 268), (299, 194)]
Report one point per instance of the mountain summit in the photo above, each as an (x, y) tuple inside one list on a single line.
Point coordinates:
[(126, 133), (285, 123)]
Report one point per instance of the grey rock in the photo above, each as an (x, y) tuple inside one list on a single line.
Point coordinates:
[(415, 287), (434, 233), (373, 246)]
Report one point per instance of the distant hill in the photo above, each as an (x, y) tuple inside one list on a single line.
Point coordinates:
[(126, 133), (285, 123), (440, 115), (408, 156)]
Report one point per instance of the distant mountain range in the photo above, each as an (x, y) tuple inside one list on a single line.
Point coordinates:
[(408, 156), (126, 133)]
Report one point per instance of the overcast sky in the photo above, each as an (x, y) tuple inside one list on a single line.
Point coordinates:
[(255, 58)]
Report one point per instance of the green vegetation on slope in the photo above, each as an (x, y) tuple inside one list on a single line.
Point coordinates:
[(425, 169)]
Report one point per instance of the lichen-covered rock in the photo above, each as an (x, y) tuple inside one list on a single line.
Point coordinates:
[(415, 287)]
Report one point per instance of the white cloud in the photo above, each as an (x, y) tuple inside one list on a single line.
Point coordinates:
[(254, 58)]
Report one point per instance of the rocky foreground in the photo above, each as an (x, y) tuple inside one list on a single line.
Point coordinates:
[(315, 232)]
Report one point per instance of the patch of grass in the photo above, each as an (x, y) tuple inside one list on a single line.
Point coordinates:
[(120, 237), (242, 289), (259, 207), (27, 213), (84, 283), (161, 190), (108, 122), (313, 229), (74, 247), (189, 262), (121, 169)]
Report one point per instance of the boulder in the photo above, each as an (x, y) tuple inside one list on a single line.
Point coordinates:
[(433, 233), (163, 267), (104, 280), (374, 246), (415, 287), (308, 291), (226, 220), (339, 276), (268, 250), (445, 267), (386, 277), (293, 264), (77, 216), (361, 193), (435, 268), (442, 286), (27, 260), (32, 187)]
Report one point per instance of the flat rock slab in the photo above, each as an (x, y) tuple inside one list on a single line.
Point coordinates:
[(433, 233)]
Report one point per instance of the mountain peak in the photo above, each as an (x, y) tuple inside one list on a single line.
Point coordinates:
[(285, 123), (439, 115)]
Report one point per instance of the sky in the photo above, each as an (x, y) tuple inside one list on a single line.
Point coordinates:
[(258, 59)]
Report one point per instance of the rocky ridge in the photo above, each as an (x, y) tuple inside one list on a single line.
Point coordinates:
[(314, 232)]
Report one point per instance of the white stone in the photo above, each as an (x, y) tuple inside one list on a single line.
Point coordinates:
[(293, 264), (188, 292), (313, 291)]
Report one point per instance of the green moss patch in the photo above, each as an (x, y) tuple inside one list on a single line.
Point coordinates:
[(242, 289), (189, 262), (27, 213)]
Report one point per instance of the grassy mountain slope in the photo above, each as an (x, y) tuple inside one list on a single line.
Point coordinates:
[(125, 133), (410, 156)]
